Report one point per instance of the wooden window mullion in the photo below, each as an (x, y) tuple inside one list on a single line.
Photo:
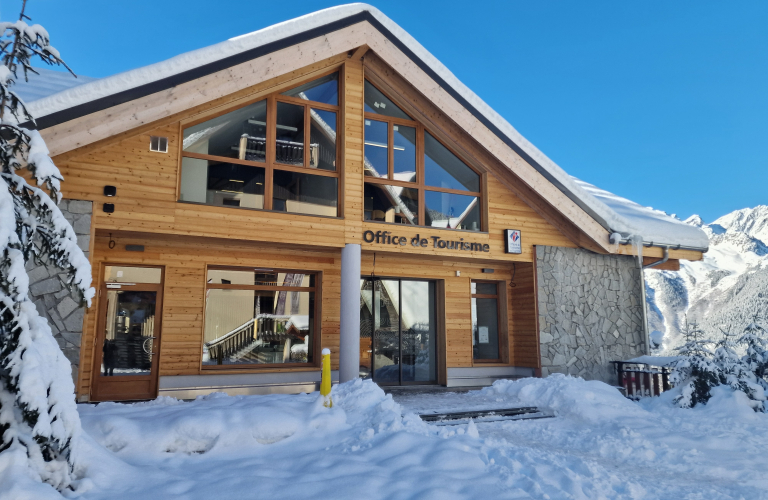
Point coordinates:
[(306, 137), (390, 150), (271, 151)]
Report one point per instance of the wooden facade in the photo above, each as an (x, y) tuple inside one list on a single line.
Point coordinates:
[(185, 238)]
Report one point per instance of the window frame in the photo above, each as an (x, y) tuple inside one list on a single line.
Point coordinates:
[(316, 322), (270, 164), (501, 320), (420, 184)]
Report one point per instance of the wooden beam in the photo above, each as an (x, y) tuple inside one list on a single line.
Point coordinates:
[(359, 53)]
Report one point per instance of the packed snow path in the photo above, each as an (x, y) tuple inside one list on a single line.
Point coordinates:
[(600, 445)]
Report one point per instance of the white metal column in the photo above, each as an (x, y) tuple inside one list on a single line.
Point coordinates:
[(349, 341)]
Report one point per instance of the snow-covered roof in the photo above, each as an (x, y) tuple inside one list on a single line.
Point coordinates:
[(46, 82), (615, 214)]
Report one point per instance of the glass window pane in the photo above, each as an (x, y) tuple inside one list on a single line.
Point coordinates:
[(305, 194), (405, 153), (444, 169), (261, 277), (391, 204), (239, 134), (322, 139), (484, 288), (485, 329), (223, 184), (325, 89), (418, 333), (454, 211), (376, 102), (290, 134), (258, 327), (130, 331), (376, 148), (129, 274)]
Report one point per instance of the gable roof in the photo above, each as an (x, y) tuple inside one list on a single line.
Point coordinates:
[(613, 213)]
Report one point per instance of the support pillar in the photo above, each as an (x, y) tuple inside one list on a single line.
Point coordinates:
[(349, 341)]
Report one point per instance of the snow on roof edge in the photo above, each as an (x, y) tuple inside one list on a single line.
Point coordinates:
[(652, 228)]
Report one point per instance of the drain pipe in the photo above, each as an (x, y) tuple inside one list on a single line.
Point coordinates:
[(646, 328), (659, 262)]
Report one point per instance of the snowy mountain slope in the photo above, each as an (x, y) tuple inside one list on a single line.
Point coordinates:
[(720, 292)]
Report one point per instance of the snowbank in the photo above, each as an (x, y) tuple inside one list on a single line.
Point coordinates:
[(599, 446)]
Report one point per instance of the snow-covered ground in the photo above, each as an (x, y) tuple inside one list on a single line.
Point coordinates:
[(600, 445)]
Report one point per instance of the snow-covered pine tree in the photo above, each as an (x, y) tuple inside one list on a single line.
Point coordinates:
[(39, 424), (695, 372), (735, 371), (753, 340)]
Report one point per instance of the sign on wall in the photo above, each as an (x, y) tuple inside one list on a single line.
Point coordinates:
[(514, 241)]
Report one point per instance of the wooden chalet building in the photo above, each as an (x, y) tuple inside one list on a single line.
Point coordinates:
[(326, 182)]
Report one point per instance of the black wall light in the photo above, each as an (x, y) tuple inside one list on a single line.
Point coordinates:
[(110, 190), (108, 208)]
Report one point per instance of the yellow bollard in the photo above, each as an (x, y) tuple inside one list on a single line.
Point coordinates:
[(325, 381)]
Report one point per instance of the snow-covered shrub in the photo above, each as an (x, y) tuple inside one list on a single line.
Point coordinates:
[(700, 368), (39, 424)]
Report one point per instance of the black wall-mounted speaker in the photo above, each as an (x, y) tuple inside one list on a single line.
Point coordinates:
[(110, 190), (108, 208)]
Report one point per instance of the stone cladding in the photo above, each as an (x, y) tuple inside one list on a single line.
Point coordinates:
[(49, 293), (590, 311)]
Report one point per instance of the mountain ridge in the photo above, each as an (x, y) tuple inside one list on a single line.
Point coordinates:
[(721, 292)]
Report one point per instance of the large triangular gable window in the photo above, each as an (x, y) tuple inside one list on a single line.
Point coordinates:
[(411, 177), (279, 153)]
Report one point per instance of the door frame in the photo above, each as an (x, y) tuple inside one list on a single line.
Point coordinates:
[(439, 334), (109, 390)]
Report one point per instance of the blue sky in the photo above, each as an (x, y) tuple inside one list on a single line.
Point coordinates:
[(665, 103)]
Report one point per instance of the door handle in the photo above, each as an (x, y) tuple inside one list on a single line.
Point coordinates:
[(144, 344)]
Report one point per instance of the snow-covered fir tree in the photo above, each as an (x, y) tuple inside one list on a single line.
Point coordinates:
[(695, 372), (39, 424)]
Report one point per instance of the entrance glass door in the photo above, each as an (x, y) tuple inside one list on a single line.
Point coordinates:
[(128, 338), (398, 337)]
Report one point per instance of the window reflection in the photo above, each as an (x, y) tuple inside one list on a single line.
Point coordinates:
[(444, 169), (376, 102), (325, 89), (305, 194), (376, 149), (453, 211), (259, 326), (322, 138), (405, 152), (220, 183), (239, 134), (289, 147), (391, 204)]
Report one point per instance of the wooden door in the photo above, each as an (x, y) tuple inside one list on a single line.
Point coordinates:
[(128, 340)]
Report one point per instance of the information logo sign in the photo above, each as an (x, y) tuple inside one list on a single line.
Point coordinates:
[(514, 241)]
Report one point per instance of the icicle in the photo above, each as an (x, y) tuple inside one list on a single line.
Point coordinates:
[(637, 247)]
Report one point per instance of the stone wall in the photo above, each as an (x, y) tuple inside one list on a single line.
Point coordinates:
[(50, 294), (590, 311)]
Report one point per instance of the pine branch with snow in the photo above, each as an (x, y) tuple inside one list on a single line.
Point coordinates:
[(39, 423)]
